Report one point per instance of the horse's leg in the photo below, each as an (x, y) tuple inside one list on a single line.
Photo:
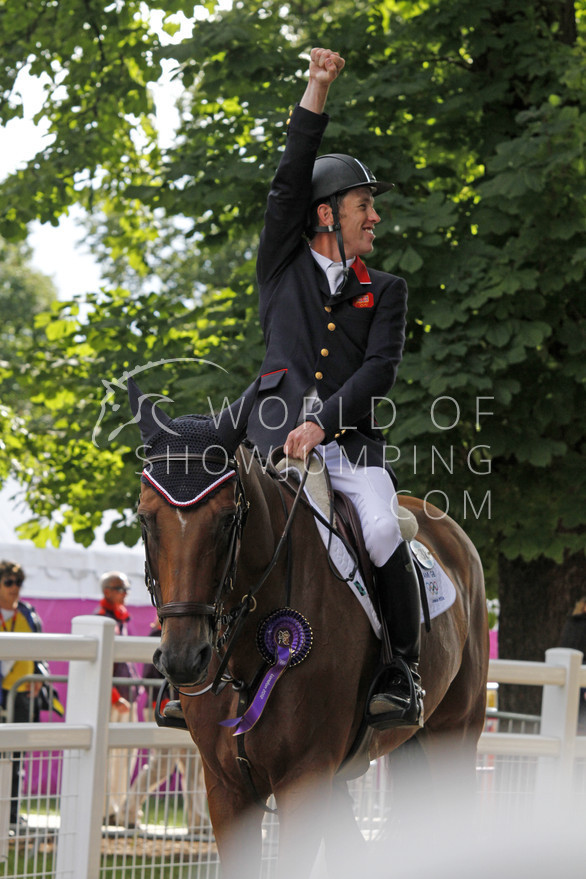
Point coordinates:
[(308, 815), (237, 830), (451, 735), (345, 846), (303, 809), (450, 743), (410, 779)]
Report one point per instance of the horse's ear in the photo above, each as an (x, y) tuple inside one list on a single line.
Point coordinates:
[(147, 414), (232, 423)]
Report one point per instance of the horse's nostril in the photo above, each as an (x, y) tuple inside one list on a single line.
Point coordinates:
[(206, 656), (157, 658), (186, 666)]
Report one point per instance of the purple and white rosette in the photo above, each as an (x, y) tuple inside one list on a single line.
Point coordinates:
[(284, 628), (284, 639)]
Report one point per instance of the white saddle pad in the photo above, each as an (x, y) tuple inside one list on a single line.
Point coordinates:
[(441, 592)]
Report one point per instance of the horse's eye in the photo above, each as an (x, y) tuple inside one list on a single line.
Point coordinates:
[(228, 521), (145, 520)]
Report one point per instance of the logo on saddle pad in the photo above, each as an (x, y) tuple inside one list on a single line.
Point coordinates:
[(422, 554)]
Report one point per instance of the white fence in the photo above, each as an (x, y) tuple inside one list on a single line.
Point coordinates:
[(555, 756)]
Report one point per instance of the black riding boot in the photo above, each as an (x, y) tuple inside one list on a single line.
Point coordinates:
[(397, 698)]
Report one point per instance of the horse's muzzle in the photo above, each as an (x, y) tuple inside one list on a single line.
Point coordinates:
[(183, 668)]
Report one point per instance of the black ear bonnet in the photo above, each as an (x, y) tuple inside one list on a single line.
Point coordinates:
[(188, 459), (183, 480)]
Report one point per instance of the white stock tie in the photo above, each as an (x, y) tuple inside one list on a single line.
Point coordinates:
[(335, 273)]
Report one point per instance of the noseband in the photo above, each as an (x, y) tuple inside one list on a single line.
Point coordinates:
[(232, 621), (196, 608)]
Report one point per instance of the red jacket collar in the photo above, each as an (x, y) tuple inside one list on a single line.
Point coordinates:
[(361, 271)]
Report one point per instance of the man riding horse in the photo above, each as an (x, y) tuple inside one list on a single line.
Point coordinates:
[(334, 332), (250, 604)]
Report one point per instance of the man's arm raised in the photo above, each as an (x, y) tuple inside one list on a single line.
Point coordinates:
[(324, 67)]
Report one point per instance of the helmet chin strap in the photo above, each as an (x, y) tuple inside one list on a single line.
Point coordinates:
[(339, 238), (337, 228)]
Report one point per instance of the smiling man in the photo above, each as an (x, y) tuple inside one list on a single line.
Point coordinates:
[(334, 332)]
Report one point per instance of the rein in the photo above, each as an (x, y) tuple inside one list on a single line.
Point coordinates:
[(248, 602), (234, 619)]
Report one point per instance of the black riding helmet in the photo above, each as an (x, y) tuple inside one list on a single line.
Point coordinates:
[(334, 174)]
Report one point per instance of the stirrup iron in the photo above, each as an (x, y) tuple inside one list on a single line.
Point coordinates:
[(412, 714), (175, 717)]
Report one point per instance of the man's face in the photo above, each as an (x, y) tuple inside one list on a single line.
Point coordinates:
[(358, 219), (116, 592), (9, 591)]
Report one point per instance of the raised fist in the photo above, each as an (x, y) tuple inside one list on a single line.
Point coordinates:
[(325, 65)]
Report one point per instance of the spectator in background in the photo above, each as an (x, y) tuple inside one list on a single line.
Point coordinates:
[(115, 587), (30, 696), (574, 637), (160, 766)]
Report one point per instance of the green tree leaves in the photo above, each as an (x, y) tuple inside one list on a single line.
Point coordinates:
[(474, 109)]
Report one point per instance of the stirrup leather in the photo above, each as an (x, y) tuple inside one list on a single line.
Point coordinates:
[(412, 714)]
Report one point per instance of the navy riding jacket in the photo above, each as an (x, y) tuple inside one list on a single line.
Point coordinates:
[(348, 347)]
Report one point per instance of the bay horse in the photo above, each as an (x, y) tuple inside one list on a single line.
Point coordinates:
[(218, 567)]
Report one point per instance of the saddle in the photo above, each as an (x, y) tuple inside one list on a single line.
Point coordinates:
[(348, 524), (346, 519)]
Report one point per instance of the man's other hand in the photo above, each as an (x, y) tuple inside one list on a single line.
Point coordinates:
[(303, 439)]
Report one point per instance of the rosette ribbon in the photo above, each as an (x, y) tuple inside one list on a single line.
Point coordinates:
[(284, 639), (253, 712)]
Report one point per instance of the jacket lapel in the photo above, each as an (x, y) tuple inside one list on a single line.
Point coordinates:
[(358, 282)]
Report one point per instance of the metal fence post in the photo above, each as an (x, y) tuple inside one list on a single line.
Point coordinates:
[(84, 772), (559, 718)]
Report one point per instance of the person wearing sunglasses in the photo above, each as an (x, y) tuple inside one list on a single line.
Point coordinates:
[(19, 616)]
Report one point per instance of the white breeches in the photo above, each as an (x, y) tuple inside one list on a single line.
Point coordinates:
[(372, 492)]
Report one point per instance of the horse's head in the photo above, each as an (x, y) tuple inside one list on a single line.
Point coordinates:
[(191, 511)]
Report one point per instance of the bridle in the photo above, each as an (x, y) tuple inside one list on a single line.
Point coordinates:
[(226, 582), (232, 621)]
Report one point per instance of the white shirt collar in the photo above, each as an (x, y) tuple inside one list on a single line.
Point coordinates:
[(325, 262)]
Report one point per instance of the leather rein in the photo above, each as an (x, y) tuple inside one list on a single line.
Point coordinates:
[(233, 620)]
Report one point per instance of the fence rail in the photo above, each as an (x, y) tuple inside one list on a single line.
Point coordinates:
[(550, 760)]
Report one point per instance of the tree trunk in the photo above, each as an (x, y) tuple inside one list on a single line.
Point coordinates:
[(535, 599), (564, 13)]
